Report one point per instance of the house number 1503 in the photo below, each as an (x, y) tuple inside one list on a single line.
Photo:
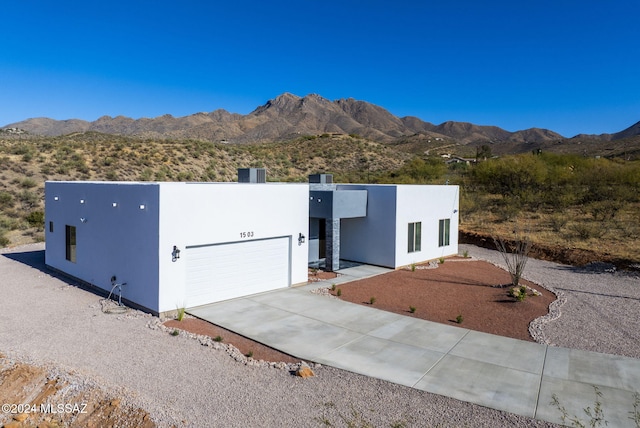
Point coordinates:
[(246, 234)]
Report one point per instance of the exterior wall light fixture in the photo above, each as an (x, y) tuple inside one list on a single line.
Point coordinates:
[(115, 204), (301, 239), (455, 211), (175, 254), (141, 206), (82, 201)]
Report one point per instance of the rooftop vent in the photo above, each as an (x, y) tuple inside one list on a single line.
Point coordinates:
[(252, 175), (321, 178)]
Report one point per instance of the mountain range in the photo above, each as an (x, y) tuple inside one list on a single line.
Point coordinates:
[(288, 116)]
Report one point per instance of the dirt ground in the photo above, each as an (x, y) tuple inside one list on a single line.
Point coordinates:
[(247, 346), (471, 289), (49, 399)]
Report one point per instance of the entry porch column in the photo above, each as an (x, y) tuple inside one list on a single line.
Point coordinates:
[(332, 260)]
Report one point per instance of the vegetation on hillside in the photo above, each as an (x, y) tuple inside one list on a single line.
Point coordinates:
[(27, 162), (562, 200)]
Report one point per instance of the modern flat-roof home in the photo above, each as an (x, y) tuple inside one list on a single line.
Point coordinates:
[(189, 244)]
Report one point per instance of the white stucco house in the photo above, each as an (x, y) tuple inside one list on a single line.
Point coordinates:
[(189, 244)]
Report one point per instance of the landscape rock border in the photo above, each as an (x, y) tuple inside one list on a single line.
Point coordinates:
[(232, 351)]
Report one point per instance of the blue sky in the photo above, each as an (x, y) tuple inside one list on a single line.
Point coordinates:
[(565, 65)]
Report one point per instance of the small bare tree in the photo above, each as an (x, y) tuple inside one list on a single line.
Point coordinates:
[(515, 254)]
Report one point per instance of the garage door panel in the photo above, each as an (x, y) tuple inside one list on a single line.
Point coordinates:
[(225, 271)]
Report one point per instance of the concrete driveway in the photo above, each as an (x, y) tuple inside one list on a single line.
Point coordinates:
[(498, 372)]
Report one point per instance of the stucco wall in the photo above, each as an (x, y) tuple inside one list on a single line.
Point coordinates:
[(381, 238), (119, 240), (205, 213), (371, 239), (426, 204)]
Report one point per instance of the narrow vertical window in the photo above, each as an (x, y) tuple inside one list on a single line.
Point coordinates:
[(443, 232), (414, 237), (51, 226), (70, 243)]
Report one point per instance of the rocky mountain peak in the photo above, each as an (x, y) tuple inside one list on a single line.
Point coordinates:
[(289, 115)]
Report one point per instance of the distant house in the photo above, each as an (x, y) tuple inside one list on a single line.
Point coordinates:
[(458, 159), (190, 244)]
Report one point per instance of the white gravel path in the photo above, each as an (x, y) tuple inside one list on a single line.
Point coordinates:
[(45, 321)]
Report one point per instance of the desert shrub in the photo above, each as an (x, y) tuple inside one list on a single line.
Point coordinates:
[(515, 254), (4, 241), (28, 183), (209, 174), (472, 201), (605, 210), (146, 174), (595, 413), (184, 176), (511, 175), (108, 161), (558, 197), (558, 222), (6, 200), (46, 169), (506, 209), (35, 219), (586, 231), (10, 223), (418, 170), (111, 175), (28, 200), (21, 149), (518, 293), (81, 166)]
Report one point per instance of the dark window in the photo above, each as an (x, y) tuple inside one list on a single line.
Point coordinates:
[(70, 243), (443, 232), (51, 226), (415, 237)]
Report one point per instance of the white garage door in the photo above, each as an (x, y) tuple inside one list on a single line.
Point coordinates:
[(224, 271)]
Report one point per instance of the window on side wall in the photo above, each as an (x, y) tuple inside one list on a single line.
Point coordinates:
[(70, 243), (444, 232), (415, 237)]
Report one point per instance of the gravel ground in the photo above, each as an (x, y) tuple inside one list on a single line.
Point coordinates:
[(45, 321), (599, 306)]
